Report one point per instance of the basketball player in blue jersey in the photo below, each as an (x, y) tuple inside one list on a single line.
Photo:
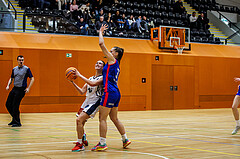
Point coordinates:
[(90, 106), (111, 96), (235, 105)]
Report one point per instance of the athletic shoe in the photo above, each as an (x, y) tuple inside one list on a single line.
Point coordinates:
[(126, 143), (78, 147), (94, 148), (16, 125), (12, 122), (99, 147), (84, 139), (236, 130)]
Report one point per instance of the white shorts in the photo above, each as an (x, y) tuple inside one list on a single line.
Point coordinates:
[(91, 108)]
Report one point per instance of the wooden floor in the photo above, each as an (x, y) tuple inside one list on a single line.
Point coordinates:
[(172, 134)]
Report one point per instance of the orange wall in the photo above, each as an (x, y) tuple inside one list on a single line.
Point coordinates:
[(214, 69)]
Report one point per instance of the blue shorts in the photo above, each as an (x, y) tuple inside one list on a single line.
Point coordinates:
[(110, 99), (238, 93)]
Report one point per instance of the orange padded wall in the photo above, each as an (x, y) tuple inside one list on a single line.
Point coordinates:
[(213, 66)]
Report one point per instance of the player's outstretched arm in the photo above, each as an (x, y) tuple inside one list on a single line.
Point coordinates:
[(109, 56), (90, 83)]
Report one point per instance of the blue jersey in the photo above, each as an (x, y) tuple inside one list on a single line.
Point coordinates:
[(110, 77)]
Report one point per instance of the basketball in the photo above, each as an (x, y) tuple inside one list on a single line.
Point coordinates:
[(69, 74)]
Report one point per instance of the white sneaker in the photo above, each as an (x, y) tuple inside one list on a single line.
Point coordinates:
[(236, 130)]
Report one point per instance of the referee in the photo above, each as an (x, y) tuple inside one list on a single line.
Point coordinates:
[(20, 74)]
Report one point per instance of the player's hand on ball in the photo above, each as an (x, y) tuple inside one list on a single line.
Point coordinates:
[(76, 73), (7, 88)]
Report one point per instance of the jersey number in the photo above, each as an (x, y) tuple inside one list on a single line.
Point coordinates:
[(90, 90), (116, 77)]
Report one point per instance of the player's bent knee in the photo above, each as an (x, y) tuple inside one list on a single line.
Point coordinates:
[(114, 120)]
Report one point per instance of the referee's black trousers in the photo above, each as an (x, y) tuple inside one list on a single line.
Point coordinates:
[(13, 101)]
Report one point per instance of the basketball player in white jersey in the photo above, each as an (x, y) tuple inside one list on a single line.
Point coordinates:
[(90, 106)]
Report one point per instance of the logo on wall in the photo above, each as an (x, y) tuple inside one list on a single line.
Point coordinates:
[(68, 55)]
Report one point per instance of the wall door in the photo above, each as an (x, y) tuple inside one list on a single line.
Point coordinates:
[(172, 87)]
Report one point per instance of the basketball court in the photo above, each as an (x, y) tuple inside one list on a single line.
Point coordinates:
[(168, 134)]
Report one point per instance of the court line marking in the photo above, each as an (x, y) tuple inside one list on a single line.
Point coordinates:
[(217, 152), (141, 153), (174, 137)]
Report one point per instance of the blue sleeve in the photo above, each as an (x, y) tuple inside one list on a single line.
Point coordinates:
[(29, 73), (12, 75)]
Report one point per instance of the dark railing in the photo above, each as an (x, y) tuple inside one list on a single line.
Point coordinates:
[(47, 15), (230, 25), (232, 9), (9, 3)]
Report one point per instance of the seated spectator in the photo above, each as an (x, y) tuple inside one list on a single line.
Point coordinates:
[(96, 6), (100, 23), (193, 20), (86, 11), (178, 7), (137, 25), (100, 14), (131, 22), (43, 2), (111, 24), (116, 17), (83, 26), (122, 23), (62, 4), (74, 10), (202, 22), (145, 24)]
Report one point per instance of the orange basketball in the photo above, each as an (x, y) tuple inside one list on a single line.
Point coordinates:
[(69, 74)]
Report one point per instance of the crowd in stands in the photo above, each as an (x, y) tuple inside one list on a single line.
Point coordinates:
[(89, 15)]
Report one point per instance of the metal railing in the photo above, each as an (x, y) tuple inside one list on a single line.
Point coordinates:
[(230, 25), (47, 15), (15, 11)]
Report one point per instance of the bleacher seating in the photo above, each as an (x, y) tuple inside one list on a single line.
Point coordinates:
[(158, 12)]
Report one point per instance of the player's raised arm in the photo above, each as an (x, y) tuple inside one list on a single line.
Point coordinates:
[(109, 56)]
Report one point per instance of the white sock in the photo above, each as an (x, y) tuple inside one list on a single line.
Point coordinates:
[(102, 140), (80, 141), (124, 137), (238, 122)]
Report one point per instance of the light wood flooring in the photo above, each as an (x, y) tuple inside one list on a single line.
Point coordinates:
[(169, 134)]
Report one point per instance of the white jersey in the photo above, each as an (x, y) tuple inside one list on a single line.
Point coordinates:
[(93, 93)]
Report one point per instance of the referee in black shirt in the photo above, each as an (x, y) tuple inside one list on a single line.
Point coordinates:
[(20, 74)]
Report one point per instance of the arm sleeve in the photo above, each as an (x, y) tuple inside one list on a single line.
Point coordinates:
[(12, 75), (29, 73)]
